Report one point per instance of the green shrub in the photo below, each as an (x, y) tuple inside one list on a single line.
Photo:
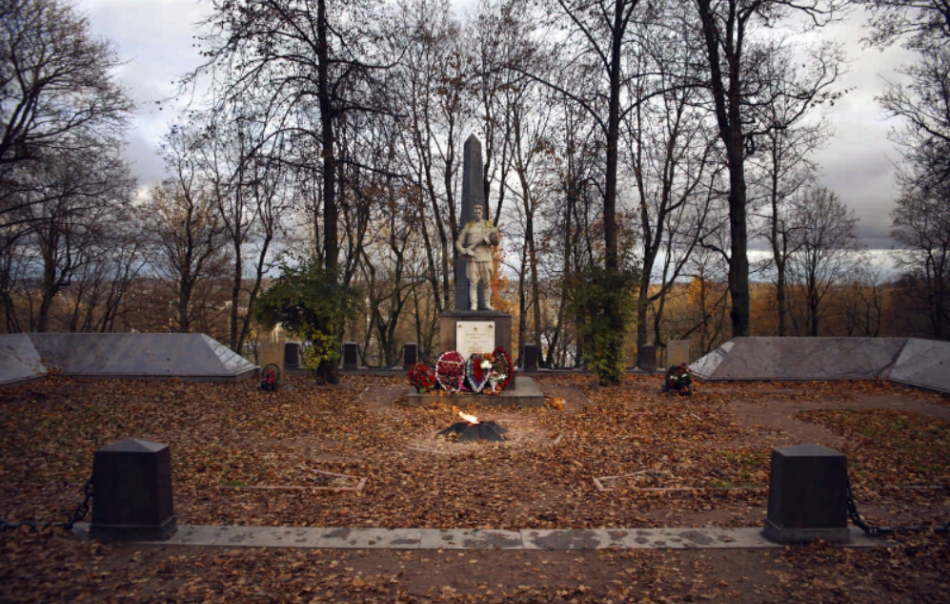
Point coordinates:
[(310, 303), (606, 299)]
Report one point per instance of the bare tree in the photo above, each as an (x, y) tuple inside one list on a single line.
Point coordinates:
[(921, 23), (433, 77), (862, 299), (58, 95), (793, 92), (921, 224), (595, 47), (735, 83), (670, 155), (187, 231), (924, 105), (310, 61), (826, 249)]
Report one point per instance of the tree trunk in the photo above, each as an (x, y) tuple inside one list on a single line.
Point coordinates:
[(330, 211), (727, 100), (234, 333)]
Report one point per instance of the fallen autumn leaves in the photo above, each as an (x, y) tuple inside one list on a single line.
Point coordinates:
[(231, 435)]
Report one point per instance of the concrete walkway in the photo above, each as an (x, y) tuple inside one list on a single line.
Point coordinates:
[(474, 539)]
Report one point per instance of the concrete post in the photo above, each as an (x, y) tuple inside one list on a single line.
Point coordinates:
[(351, 356), (132, 492), (410, 355), (808, 495), (530, 357)]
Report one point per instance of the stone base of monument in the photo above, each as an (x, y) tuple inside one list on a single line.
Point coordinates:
[(524, 393), (449, 321)]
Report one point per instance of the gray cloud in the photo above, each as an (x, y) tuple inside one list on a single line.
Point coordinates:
[(859, 160), (155, 39)]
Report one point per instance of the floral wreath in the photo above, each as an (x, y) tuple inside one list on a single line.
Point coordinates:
[(679, 380), (478, 371), (502, 372), (421, 377), (488, 373), (270, 377), (450, 371)]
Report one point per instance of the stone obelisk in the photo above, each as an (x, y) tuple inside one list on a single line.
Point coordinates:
[(473, 193)]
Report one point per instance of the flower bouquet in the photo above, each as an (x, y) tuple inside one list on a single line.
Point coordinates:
[(422, 378)]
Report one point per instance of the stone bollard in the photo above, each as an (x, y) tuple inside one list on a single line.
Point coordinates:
[(351, 356), (647, 360), (530, 357), (410, 355), (808, 496), (132, 492)]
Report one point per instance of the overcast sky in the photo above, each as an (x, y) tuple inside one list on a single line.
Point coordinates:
[(155, 37)]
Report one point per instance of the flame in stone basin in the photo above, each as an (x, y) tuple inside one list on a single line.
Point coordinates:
[(473, 430), (469, 418)]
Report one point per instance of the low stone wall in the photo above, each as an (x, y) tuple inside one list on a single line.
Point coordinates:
[(191, 356), (922, 363)]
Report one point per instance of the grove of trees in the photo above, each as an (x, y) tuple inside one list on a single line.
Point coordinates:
[(650, 163)]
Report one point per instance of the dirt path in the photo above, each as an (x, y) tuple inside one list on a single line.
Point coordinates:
[(773, 420)]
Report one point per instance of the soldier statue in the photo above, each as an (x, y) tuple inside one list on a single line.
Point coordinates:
[(475, 243)]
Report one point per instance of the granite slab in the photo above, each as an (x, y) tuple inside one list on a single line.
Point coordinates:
[(139, 355), (783, 359), (923, 363), (19, 360)]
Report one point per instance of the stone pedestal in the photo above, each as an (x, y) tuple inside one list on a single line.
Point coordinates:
[(524, 393), (521, 392), (808, 495), (448, 324), (132, 497)]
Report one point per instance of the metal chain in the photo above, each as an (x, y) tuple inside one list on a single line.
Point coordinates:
[(83, 508), (879, 531), (78, 514)]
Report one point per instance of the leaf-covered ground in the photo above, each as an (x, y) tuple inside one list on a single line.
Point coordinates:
[(664, 460)]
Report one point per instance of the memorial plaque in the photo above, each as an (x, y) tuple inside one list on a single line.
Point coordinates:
[(677, 353), (474, 336)]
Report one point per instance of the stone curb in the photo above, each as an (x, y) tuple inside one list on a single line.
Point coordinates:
[(474, 539)]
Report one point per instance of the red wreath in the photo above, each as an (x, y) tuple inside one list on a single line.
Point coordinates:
[(449, 371), (503, 366)]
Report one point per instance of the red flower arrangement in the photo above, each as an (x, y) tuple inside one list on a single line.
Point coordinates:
[(449, 371), (503, 366), (422, 378), (270, 377)]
